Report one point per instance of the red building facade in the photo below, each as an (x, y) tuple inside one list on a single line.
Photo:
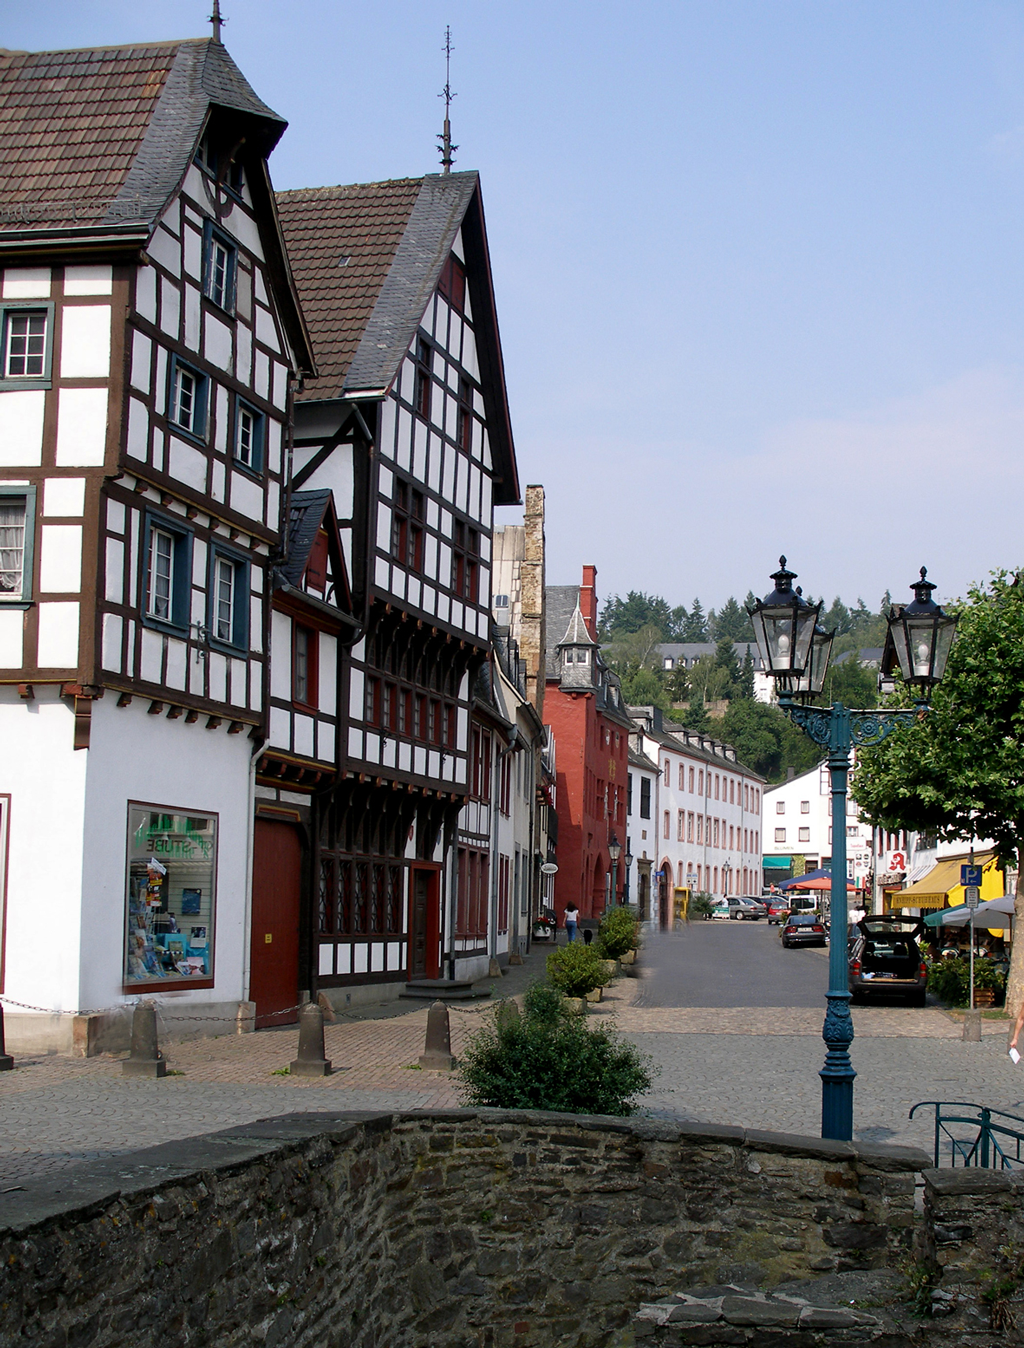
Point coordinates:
[(583, 706)]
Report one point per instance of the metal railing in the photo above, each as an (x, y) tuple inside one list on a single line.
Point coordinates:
[(987, 1138)]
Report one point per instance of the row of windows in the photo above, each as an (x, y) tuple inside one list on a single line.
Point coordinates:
[(780, 807), (167, 598), (705, 830), (360, 897), (473, 893), (725, 788), (804, 834), (402, 711), (407, 519), (189, 412), (167, 585)]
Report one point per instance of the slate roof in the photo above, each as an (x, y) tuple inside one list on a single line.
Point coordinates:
[(305, 516), (364, 312), (103, 135), (576, 633), (560, 602)]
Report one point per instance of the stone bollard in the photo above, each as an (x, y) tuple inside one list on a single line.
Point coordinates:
[(494, 969), (146, 1060), (6, 1061), (972, 1027), (437, 1051), (311, 1061)]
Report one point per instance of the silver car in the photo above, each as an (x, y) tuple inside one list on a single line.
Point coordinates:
[(743, 907)]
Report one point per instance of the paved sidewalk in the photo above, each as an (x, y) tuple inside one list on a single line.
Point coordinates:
[(756, 1067)]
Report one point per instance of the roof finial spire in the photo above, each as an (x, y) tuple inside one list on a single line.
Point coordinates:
[(217, 21), (446, 147)]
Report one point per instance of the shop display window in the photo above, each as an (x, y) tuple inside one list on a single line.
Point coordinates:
[(171, 900)]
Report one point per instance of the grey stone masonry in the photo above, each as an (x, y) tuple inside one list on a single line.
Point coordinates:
[(435, 1230)]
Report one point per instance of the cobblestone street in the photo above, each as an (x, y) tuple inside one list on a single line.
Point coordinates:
[(753, 1066)]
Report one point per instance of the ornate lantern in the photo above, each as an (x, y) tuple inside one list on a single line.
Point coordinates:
[(784, 625), (921, 635)]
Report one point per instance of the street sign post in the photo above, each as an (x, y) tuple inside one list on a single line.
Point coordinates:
[(971, 896), (970, 878)]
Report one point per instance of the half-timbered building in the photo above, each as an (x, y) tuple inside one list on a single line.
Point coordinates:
[(149, 335), (407, 427)]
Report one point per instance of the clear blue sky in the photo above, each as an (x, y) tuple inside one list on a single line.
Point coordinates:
[(759, 265)]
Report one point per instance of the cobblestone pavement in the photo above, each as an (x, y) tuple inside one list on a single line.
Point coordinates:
[(752, 1066)]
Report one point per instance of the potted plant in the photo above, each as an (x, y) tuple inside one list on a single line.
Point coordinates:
[(989, 983), (576, 969)]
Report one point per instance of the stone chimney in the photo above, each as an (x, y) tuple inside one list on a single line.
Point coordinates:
[(588, 600), (532, 634)]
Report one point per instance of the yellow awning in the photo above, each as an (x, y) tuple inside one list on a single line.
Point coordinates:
[(942, 884)]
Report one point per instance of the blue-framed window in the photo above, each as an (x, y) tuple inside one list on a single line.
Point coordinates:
[(250, 436), (17, 535), (189, 399), (167, 579), (26, 345), (228, 602), (220, 259)]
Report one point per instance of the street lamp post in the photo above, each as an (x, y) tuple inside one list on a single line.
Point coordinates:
[(795, 651), (614, 852), (628, 863)]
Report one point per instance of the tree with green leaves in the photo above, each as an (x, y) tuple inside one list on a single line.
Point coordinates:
[(958, 771), (730, 622), (621, 617), (638, 648), (644, 688), (696, 626), (765, 739)]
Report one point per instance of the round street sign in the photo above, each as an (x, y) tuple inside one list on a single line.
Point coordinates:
[(549, 868)]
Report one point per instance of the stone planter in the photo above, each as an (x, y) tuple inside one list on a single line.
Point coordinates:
[(596, 995), (611, 968), (628, 958), (576, 1006)]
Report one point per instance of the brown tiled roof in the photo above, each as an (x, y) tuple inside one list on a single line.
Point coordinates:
[(341, 244), (71, 123)]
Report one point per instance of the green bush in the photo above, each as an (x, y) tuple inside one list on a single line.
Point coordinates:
[(618, 933), (545, 1059), (949, 980), (576, 968)]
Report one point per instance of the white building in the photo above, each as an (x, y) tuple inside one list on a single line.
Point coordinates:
[(150, 336), (797, 830), (640, 855), (707, 822)]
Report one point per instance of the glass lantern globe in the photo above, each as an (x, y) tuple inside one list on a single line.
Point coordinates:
[(922, 635), (784, 625), (810, 683)]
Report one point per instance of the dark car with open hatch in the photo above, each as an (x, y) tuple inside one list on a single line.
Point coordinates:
[(885, 959)]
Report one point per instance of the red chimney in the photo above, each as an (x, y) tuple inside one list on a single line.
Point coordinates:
[(588, 600)]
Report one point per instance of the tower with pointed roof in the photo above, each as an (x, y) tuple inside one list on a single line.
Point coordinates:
[(576, 655)]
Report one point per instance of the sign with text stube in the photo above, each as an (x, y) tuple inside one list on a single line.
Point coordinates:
[(970, 875)]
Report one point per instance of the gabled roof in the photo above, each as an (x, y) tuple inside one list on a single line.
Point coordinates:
[(103, 135), (308, 512), (366, 259), (94, 143)]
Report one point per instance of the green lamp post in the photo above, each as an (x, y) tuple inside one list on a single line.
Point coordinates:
[(795, 650)]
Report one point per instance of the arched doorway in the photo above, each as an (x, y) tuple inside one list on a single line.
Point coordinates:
[(665, 895)]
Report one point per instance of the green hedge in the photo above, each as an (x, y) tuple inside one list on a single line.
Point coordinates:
[(950, 980), (618, 933)]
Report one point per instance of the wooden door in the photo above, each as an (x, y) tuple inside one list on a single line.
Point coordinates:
[(276, 887), (424, 923)]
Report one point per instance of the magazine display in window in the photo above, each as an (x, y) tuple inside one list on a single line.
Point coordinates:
[(170, 900)]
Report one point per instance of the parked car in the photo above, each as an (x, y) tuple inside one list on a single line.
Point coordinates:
[(885, 959), (742, 907), (803, 929), (778, 911)]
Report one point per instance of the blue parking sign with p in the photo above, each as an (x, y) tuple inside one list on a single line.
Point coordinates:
[(970, 875)]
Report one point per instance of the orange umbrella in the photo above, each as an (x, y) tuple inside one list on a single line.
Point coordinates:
[(823, 883)]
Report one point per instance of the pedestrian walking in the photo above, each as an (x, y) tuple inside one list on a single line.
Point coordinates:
[(571, 917)]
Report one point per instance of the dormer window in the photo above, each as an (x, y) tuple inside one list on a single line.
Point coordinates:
[(452, 284), (214, 160)]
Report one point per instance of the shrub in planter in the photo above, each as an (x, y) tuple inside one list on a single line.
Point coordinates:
[(618, 933), (576, 969), (545, 1059), (701, 905), (949, 980)]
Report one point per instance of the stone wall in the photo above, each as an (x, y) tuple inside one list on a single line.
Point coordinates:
[(434, 1230)]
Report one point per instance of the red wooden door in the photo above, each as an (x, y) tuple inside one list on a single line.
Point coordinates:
[(425, 926), (276, 884)]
